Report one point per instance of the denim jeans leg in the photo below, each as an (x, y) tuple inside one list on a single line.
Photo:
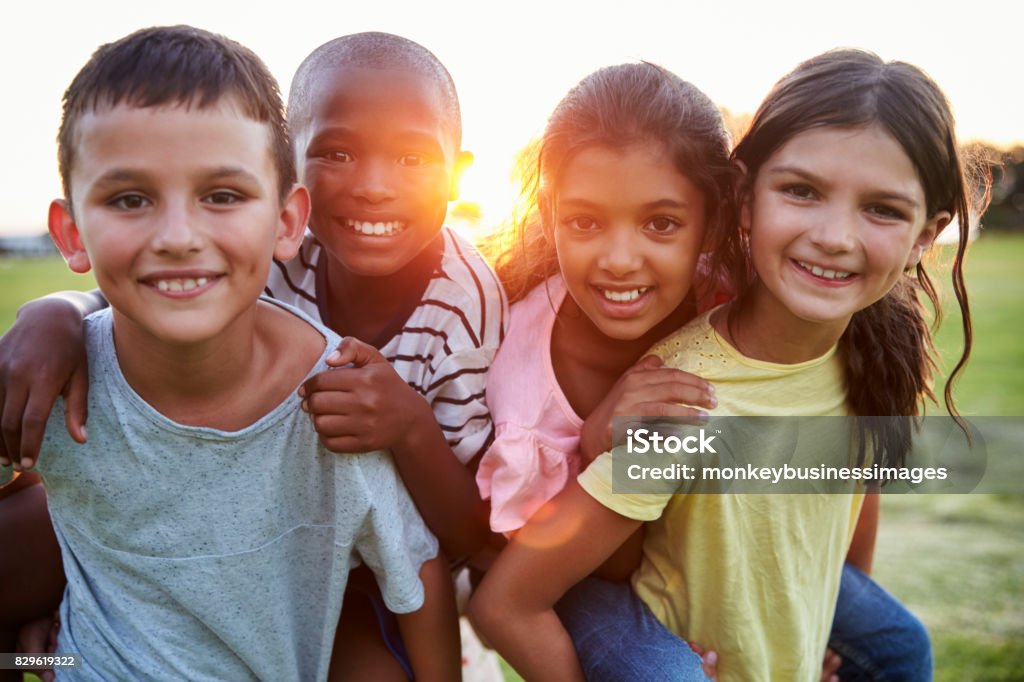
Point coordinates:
[(878, 638), (618, 639)]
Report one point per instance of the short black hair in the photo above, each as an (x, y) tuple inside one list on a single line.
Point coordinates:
[(374, 50), (184, 65)]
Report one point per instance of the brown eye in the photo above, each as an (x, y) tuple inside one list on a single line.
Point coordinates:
[(129, 202), (581, 224), (663, 225), (800, 191), (887, 212), (223, 198)]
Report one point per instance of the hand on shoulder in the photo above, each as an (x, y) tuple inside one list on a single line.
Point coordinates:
[(361, 403)]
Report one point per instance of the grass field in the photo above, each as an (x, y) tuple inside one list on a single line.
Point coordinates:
[(956, 560)]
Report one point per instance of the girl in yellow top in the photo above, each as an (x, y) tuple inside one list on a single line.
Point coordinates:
[(850, 170)]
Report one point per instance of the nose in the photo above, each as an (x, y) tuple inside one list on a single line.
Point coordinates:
[(837, 232), (178, 230), (373, 181), (621, 254)]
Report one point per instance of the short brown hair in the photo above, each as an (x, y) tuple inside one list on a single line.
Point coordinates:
[(168, 65)]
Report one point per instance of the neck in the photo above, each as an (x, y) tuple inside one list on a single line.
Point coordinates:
[(194, 383), (577, 337), (761, 328), (366, 306)]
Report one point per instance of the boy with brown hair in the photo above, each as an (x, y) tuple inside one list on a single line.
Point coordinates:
[(205, 532), (376, 122)]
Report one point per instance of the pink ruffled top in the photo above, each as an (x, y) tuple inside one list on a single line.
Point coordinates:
[(536, 445)]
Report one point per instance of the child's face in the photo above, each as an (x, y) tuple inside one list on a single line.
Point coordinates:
[(628, 228), (836, 216), (177, 212), (379, 160)]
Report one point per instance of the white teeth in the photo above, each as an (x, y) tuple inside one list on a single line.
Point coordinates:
[(823, 273), (623, 296), (184, 284), (363, 227)]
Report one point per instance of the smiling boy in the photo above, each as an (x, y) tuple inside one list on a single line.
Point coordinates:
[(205, 532), (377, 128)]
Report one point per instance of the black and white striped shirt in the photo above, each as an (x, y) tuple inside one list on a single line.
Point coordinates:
[(445, 347)]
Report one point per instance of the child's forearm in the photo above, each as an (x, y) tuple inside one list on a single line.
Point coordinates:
[(444, 490), (85, 302), (431, 634)]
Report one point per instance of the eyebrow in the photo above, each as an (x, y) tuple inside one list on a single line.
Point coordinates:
[(119, 176), (649, 206), (818, 180)]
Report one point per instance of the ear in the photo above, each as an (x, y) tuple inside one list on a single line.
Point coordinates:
[(65, 234), (291, 224), (931, 229), (463, 160)]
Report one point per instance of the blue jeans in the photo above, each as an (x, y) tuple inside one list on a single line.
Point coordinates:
[(878, 638), (618, 638)]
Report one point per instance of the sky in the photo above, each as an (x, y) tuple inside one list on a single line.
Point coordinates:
[(513, 61)]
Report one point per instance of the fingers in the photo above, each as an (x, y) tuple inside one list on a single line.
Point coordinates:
[(341, 380), (342, 434), (666, 392), (33, 426), (24, 415), (689, 389), (353, 351), (76, 403), (709, 664), (830, 666), (647, 362)]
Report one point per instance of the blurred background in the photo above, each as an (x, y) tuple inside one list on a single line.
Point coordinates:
[(955, 560)]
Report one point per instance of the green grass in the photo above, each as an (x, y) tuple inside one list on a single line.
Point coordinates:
[(955, 560), (24, 279), (993, 383)]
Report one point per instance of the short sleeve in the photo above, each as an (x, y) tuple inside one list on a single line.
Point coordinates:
[(393, 541), (597, 481), (519, 473), (456, 395)]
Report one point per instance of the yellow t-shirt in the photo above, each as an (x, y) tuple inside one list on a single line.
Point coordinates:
[(751, 576)]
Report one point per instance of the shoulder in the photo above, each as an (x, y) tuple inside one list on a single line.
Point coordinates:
[(690, 346), (295, 336), (465, 292)]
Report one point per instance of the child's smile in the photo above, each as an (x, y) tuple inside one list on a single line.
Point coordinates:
[(628, 230), (837, 215), (179, 213), (378, 158)]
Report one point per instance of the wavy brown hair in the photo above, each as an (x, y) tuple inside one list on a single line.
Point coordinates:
[(887, 349), (617, 106)]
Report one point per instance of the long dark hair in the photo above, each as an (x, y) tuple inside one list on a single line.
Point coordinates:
[(617, 106), (887, 349)]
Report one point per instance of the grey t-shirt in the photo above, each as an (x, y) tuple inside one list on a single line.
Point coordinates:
[(193, 553)]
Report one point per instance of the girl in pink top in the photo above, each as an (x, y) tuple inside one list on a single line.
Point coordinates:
[(643, 189)]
